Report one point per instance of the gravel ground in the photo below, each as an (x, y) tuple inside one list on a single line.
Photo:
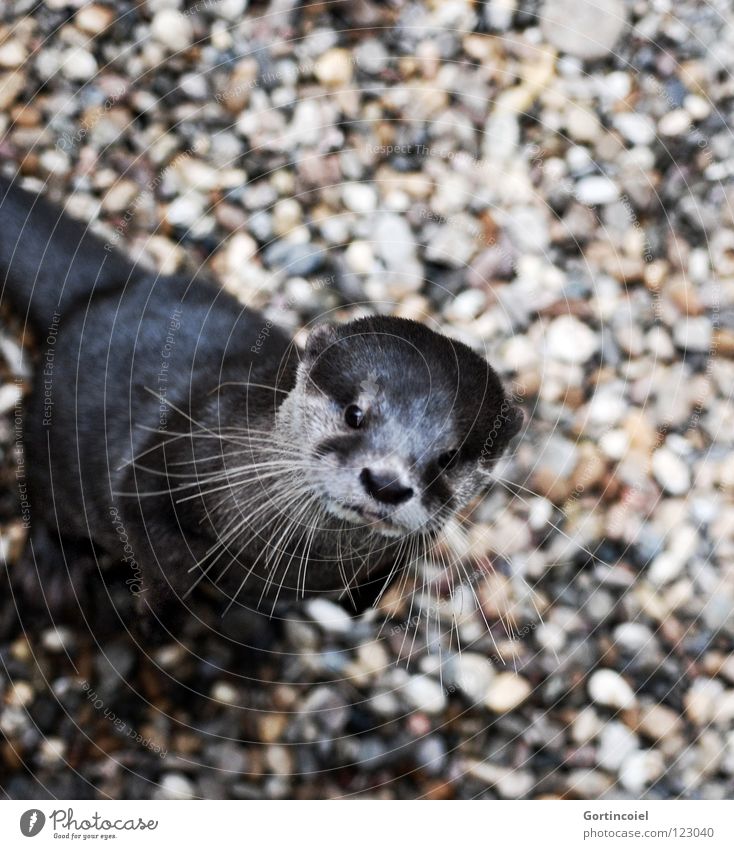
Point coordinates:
[(558, 198)]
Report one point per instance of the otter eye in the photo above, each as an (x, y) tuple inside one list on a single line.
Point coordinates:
[(448, 459), (354, 416)]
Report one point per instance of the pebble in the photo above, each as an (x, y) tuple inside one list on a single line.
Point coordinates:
[(10, 395), (671, 472), (329, 616), (57, 639), (616, 743), (94, 19), (571, 341), (425, 694), (506, 692), (175, 785), (693, 333), (608, 688), (334, 68), (701, 700), (633, 636), (659, 722), (359, 197), (79, 65), (511, 783), (172, 29), (636, 128), (582, 29), (287, 215), (12, 54), (596, 191), (640, 769), (472, 674)]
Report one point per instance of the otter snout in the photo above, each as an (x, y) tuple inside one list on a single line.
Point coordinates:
[(385, 487)]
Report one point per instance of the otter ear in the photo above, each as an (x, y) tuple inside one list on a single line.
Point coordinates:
[(513, 422), (506, 425), (319, 340)]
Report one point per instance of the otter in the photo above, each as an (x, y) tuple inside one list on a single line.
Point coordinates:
[(171, 426)]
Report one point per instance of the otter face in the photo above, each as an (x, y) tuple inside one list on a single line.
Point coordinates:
[(402, 425)]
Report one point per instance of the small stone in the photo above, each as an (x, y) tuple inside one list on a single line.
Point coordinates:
[(11, 86), (608, 688), (359, 197), (616, 743), (571, 341), (186, 210), (640, 769), (10, 395), (675, 123), (586, 726), (172, 29), (499, 13), (697, 107), (296, 259), (334, 68), (425, 694), (511, 783), (671, 472), (693, 333), (633, 636), (666, 567), (583, 29), (79, 65), (287, 215), (329, 616), (472, 674), (12, 54), (225, 693), (279, 760), (702, 699), (394, 240), (20, 694), (52, 751), (430, 754), (596, 191), (57, 639), (467, 305), (94, 19), (175, 785), (506, 692), (120, 196), (636, 128), (359, 257), (659, 722)]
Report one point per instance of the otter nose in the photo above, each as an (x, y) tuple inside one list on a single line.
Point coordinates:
[(385, 487)]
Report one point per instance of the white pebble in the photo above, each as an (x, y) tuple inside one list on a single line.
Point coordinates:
[(472, 673), (636, 128), (671, 472), (359, 197), (79, 65), (594, 191), (425, 694), (608, 688), (640, 769), (175, 785), (693, 333), (506, 692), (172, 29), (571, 341), (329, 616)]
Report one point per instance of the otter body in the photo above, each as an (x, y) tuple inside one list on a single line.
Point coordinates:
[(165, 411)]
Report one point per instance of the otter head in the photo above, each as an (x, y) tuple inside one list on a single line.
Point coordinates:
[(402, 425)]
